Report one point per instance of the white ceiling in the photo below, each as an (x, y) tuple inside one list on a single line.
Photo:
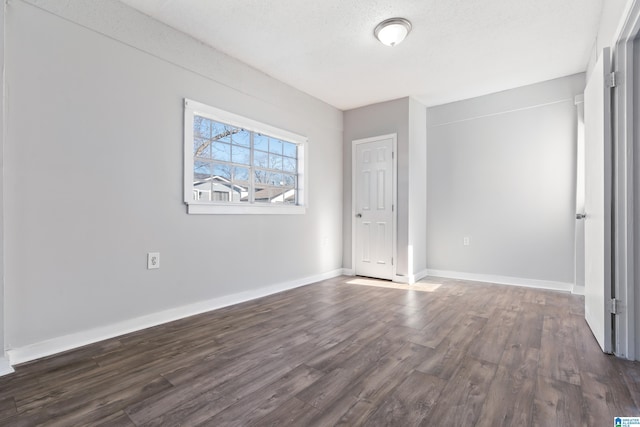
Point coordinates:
[(457, 49)]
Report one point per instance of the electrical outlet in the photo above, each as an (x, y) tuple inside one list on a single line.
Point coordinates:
[(153, 260), (466, 240)]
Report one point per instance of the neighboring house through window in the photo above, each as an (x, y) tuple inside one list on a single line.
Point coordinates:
[(237, 165)]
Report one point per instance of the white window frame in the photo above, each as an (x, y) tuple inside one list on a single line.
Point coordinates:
[(192, 108)]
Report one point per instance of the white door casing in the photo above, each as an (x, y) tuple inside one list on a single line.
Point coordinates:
[(598, 176), (373, 203)]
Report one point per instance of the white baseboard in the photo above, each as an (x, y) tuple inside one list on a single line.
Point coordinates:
[(577, 290), (412, 278), (5, 367), (348, 272), (79, 339), (504, 280)]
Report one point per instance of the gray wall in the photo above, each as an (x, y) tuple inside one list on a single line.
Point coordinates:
[(501, 169), (94, 176)]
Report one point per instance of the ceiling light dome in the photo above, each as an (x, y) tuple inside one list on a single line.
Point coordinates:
[(392, 31)]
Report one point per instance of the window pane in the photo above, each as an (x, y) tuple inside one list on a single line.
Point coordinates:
[(201, 147), (289, 164), (290, 149), (220, 196), (260, 176), (223, 171), (221, 151), (241, 155), (260, 142), (276, 179), (201, 170), (262, 195), (290, 197), (275, 161), (220, 186), (221, 132), (201, 127), (241, 184), (275, 146), (241, 175), (241, 138), (260, 159), (289, 180)]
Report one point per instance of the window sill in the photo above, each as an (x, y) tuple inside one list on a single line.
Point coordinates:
[(233, 209)]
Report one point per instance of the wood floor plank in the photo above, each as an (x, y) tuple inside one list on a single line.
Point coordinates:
[(389, 372), (491, 340), (446, 360), (464, 395), (357, 414), (345, 351), (605, 399), (265, 400), (559, 356), (118, 419), (206, 395), (366, 394), (630, 373), (293, 412), (527, 328), (558, 403), (515, 378), (7, 408), (410, 403)]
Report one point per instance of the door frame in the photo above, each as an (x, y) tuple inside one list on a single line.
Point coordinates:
[(394, 197), (626, 135)]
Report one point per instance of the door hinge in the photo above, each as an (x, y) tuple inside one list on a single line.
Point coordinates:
[(391, 260), (610, 80), (393, 155), (615, 306), (393, 208)]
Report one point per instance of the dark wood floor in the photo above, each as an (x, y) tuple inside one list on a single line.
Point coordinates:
[(443, 353)]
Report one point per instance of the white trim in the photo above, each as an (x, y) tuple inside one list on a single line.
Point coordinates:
[(412, 278), (626, 136), (256, 208), (71, 341), (503, 280), (394, 175), (577, 290), (5, 367), (348, 272)]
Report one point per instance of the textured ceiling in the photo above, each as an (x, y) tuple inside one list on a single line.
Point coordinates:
[(457, 49)]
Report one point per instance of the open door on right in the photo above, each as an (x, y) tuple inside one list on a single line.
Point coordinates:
[(598, 193)]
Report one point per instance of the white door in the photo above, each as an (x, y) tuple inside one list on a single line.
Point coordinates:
[(598, 175), (373, 206)]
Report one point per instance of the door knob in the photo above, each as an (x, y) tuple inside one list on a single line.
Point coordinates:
[(581, 216), (359, 215)]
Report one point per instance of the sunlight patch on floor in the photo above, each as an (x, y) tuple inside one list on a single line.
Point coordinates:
[(422, 287)]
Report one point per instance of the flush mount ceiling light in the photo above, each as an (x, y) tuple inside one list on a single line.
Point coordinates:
[(392, 31)]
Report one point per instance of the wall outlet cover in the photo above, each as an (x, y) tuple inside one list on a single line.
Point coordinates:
[(153, 260)]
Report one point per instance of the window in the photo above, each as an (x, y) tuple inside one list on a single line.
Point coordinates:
[(237, 165)]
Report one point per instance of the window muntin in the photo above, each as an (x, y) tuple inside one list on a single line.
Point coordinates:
[(239, 162)]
